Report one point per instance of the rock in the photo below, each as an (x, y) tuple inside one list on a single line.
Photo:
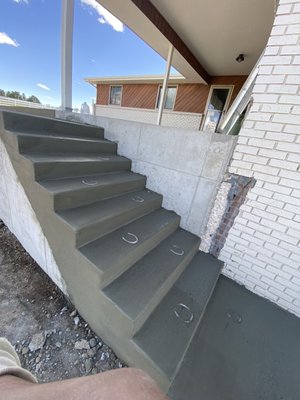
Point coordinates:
[(37, 341), (88, 365), (82, 345), (48, 316), (93, 342), (25, 350), (76, 321), (103, 357), (94, 371), (58, 345), (92, 352), (119, 364), (73, 313)]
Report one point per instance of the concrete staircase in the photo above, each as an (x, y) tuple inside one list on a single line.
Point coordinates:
[(132, 272)]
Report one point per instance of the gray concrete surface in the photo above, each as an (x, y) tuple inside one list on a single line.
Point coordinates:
[(245, 349)]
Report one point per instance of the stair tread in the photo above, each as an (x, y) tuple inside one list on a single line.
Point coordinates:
[(47, 158), (61, 137), (133, 290), (80, 217), (103, 254), (65, 185), (165, 337)]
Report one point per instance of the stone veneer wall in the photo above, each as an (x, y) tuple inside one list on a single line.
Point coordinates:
[(262, 250)]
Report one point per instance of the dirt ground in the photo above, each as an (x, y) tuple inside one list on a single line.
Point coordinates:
[(52, 340)]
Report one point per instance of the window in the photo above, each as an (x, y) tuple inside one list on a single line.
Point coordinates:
[(170, 97), (115, 95)]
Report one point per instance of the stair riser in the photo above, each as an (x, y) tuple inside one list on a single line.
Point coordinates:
[(28, 123), (122, 322), (89, 194), (116, 270), (53, 146), (70, 169), (99, 229)]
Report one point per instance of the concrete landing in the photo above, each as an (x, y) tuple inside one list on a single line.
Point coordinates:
[(246, 348)]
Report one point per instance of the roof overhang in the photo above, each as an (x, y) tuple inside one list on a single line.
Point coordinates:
[(215, 32), (137, 79)]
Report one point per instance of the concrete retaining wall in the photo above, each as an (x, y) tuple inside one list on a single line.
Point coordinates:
[(185, 166), (18, 215)]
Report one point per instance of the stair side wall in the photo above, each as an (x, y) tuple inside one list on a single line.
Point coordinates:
[(16, 212)]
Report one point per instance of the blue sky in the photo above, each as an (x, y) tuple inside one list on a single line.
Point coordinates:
[(102, 46)]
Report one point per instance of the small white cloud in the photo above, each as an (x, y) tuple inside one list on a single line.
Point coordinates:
[(5, 39), (21, 1), (42, 86), (105, 17), (93, 60)]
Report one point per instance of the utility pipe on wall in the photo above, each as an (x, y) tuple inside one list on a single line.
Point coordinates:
[(66, 53), (165, 85)]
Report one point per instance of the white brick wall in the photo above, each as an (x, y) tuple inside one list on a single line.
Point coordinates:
[(262, 250)]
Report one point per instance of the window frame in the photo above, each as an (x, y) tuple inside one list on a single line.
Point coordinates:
[(158, 95), (109, 97)]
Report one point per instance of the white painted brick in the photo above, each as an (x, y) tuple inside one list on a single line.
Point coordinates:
[(284, 164), (265, 169), (268, 144), (292, 248), (255, 159), (285, 89), (279, 212), (289, 147), (241, 164), (296, 8), (292, 208), (291, 129), (238, 239), (291, 29), (273, 225), (294, 232), (259, 89), (296, 193), (286, 69), (270, 202), (277, 250), (255, 204), (264, 214), (244, 228), (276, 60), (286, 119), (284, 137), (288, 265), (285, 50), (252, 133), (280, 294), (288, 223), (282, 273), (271, 51), (284, 9), (266, 178), (277, 188), (262, 192), (286, 199), (259, 227), (269, 126), (296, 110), (240, 171), (296, 280), (266, 70), (281, 155), (286, 20), (267, 98), (276, 108), (292, 79), (288, 99), (270, 281), (242, 140), (294, 293), (278, 30), (290, 174), (286, 237), (296, 60), (290, 183), (257, 265), (248, 124)]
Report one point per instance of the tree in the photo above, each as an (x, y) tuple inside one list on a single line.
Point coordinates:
[(14, 95), (33, 99), (2, 92)]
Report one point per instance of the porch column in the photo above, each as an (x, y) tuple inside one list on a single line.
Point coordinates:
[(66, 53), (165, 85)]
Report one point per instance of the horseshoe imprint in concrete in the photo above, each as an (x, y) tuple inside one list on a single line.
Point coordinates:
[(133, 239), (138, 199), (177, 250), (182, 309), (89, 182)]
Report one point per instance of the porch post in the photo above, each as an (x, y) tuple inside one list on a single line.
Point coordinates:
[(66, 53), (165, 85)]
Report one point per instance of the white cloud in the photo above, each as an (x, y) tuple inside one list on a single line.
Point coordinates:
[(5, 39), (105, 17), (21, 1), (41, 85)]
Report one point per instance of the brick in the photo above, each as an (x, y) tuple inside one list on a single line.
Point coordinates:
[(265, 177), (276, 60), (284, 9), (276, 108), (293, 232), (277, 250), (296, 110), (296, 8), (268, 144), (259, 89), (268, 98), (255, 159), (281, 155), (269, 279), (278, 188), (273, 225), (240, 171), (280, 294), (286, 20), (249, 124), (242, 139), (289, 223), (292, 28), (246, 149), (296, 193), (244, 228), (259, 227), (241, 164), (295, 175), (252, 133), (286, 69), (270, 202), (265, 237), (294, 293), (289, 147), (262, 192), (296, 280), (296, 60), (271, 51), (265, 169), (293, 79), (278, 136), (285, 89), (286, 50), (279, 212), (286, 199), (290, 247), (266, 70), (250, 217), (292, 208), (264, 214), (278, 30), (284, 164), (256, 204), (269, 126), (286, 119), (290, 183), (288, 99), (286, 237)]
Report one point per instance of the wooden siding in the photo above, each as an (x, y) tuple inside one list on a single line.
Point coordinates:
[(191, 98), (103, 94), (139, 95)]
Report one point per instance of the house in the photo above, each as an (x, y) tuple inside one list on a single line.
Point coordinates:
[(129, 263)]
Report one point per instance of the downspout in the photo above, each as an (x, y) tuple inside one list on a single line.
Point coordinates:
[(165, 85), (66, 53)]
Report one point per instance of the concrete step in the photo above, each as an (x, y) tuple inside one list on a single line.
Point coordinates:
[(95, 220), (166, 335), (140, 289), (42, 144), (55, 167), (75, 192), (19, 122), (112, 255)]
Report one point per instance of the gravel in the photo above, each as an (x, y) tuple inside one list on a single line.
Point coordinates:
[(50, 337)]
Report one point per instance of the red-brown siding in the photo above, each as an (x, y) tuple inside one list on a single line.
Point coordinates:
[(191, 98), (139, 95), (102, 94)]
